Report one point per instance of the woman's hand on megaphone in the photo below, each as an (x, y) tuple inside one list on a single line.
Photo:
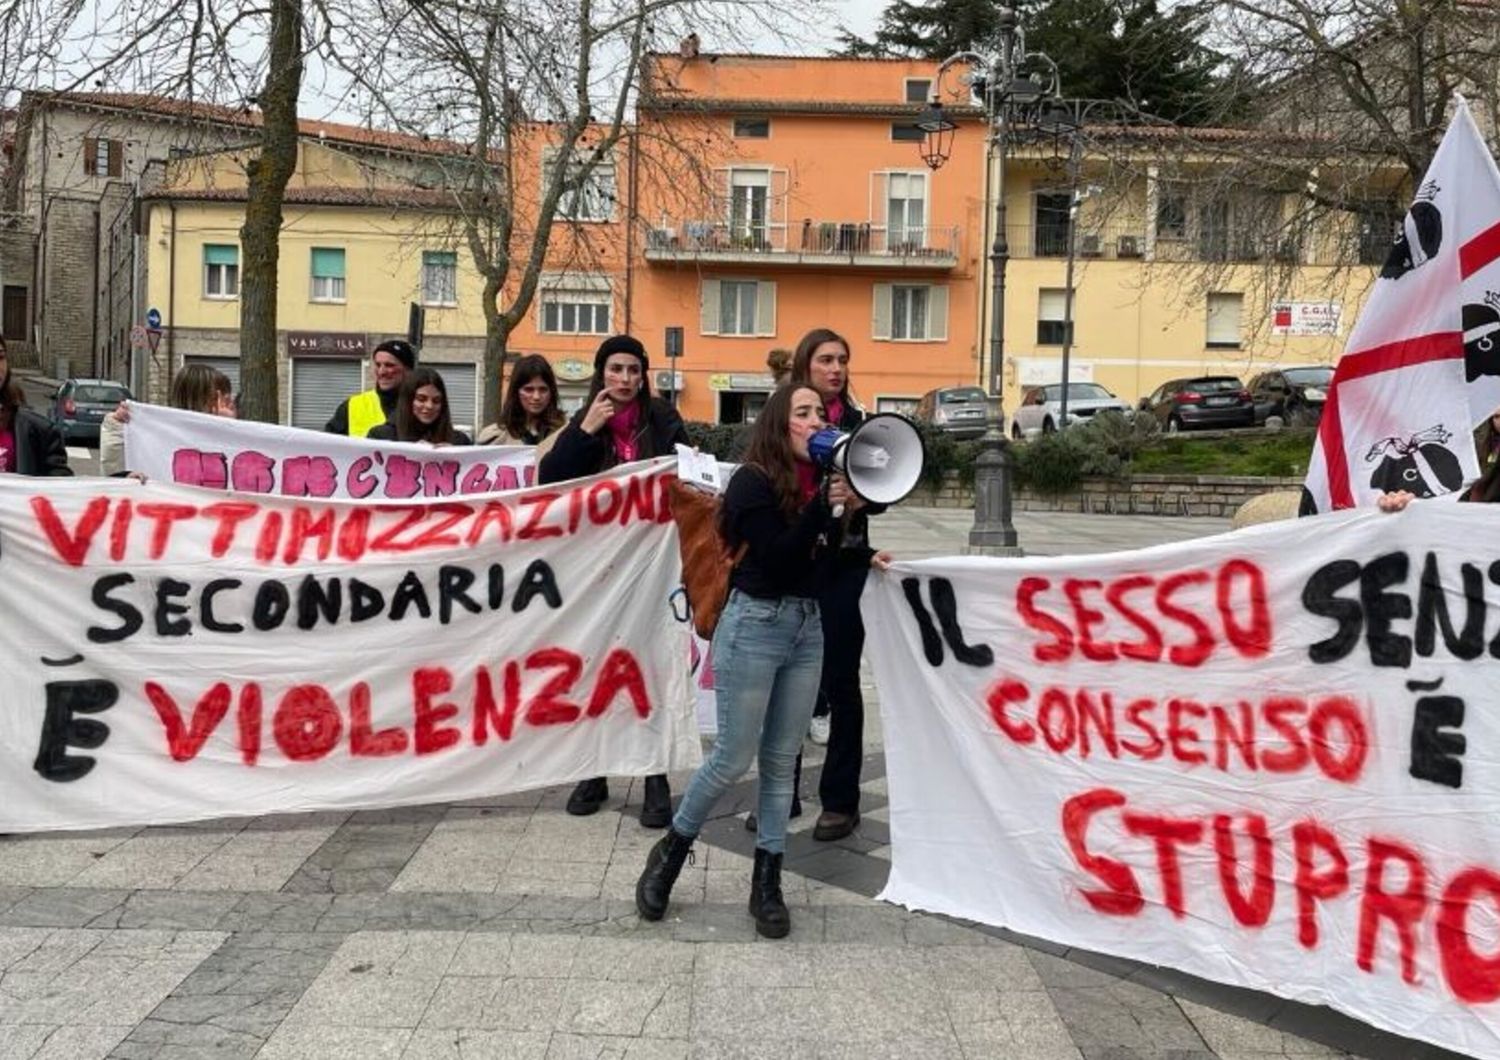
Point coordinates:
[(841, 496)]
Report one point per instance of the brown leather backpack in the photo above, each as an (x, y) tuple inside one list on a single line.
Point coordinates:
[(706, 557)]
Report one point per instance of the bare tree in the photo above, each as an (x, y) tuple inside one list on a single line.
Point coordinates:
[(534, 104), (244, 56)]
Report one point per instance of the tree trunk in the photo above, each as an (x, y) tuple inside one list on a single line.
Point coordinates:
[(496, 336), (260, 237)]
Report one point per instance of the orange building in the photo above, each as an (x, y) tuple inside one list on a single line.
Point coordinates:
[(759, 197)]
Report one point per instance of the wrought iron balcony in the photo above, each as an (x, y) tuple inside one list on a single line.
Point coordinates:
[(807, 243)]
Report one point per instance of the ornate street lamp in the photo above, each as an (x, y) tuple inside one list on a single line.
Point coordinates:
[(1010, 85), (937, 135)]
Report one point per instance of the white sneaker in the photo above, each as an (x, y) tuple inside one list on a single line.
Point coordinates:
[(817, 732)]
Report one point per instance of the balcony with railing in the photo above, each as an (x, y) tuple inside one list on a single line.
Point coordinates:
[(808, 242), (1126, 241)]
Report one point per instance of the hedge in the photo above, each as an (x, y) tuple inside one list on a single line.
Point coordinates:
[(1109, 445)]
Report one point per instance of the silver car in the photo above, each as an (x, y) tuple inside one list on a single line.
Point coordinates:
[(1040, 411)]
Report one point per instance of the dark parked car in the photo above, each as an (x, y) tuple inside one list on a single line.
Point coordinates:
[(80, 404), (1201, 401), (1294, 394), (962, 411)]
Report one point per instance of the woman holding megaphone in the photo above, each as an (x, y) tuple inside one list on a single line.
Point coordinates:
[(767, 647), (822, 362)]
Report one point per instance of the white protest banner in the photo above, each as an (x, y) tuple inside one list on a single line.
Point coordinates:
[(190, 448), (1269, 758), (171, 655)]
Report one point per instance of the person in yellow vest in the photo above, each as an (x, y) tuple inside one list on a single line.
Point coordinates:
[(355, 416)]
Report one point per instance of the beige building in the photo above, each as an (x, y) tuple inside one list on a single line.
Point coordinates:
[(358, 247)]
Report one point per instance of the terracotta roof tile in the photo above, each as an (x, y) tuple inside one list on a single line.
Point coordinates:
[(250, 117), (413, 198)]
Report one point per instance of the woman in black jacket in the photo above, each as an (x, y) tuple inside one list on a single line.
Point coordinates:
[(422, 413), (619, 423), (768, 646), (822, 362), (29, 444)]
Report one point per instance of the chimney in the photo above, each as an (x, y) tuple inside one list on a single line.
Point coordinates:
[(688, 49)]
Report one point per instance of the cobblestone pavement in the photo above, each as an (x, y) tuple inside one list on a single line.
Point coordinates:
[(505, 928)]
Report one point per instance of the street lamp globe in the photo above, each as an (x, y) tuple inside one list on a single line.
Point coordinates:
[(937, 135)]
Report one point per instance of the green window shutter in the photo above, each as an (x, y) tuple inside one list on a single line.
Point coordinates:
[(328, 262), (221, 254)]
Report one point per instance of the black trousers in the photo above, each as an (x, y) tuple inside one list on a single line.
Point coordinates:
[(843, 644)]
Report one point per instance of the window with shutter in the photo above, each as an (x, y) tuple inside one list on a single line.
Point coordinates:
[(576, 305), (90, 156), (740, 312), (1052, 325), (1224, 320), (439, 277), (327, 274), (116, 158), (221, 270)]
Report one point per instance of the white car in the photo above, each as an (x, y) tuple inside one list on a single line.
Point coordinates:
[(1040, 411)]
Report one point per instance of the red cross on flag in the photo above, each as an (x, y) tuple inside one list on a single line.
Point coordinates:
[(1422, 366)]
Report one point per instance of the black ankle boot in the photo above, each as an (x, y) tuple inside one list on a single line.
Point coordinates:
[(588, 796), (663, 864), (656, 808), (766, 904)]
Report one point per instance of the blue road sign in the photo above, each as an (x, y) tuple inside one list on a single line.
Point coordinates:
[(153, 318)]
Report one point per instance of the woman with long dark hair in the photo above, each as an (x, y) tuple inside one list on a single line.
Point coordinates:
[(767, 647), (530, 411), (422, 412), (619, 423), (822, 362), (29, 443)]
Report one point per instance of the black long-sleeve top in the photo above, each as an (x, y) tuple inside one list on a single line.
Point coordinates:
[(786, 557)]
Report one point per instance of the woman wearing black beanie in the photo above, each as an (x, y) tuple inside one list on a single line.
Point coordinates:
[(619, 423)]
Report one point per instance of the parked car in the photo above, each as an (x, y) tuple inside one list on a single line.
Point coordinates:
[(1294, 394), (80, 404), (1201, 401), (962, 411), (1040, 411)]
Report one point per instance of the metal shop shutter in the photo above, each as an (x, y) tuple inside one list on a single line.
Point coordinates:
[(462, 394), (318, 385), (230, 366)]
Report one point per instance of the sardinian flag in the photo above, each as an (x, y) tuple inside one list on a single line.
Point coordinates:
[(1422, 366)]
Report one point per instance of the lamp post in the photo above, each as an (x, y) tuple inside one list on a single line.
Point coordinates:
[(1009, 84), (1065, 118)]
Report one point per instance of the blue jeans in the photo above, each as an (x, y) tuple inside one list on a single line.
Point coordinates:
[(768, 656)]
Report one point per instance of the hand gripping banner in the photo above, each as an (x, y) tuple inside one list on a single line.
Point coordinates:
[(1269, 758), (174, 654)]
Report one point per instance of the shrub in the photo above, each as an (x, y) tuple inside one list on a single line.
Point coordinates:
[(1053, 463), (716, 438)]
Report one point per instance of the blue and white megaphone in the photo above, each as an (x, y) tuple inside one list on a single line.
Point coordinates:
[(882, 458)]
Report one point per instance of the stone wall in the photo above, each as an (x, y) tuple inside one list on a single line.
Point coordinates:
[(1140, 495)]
